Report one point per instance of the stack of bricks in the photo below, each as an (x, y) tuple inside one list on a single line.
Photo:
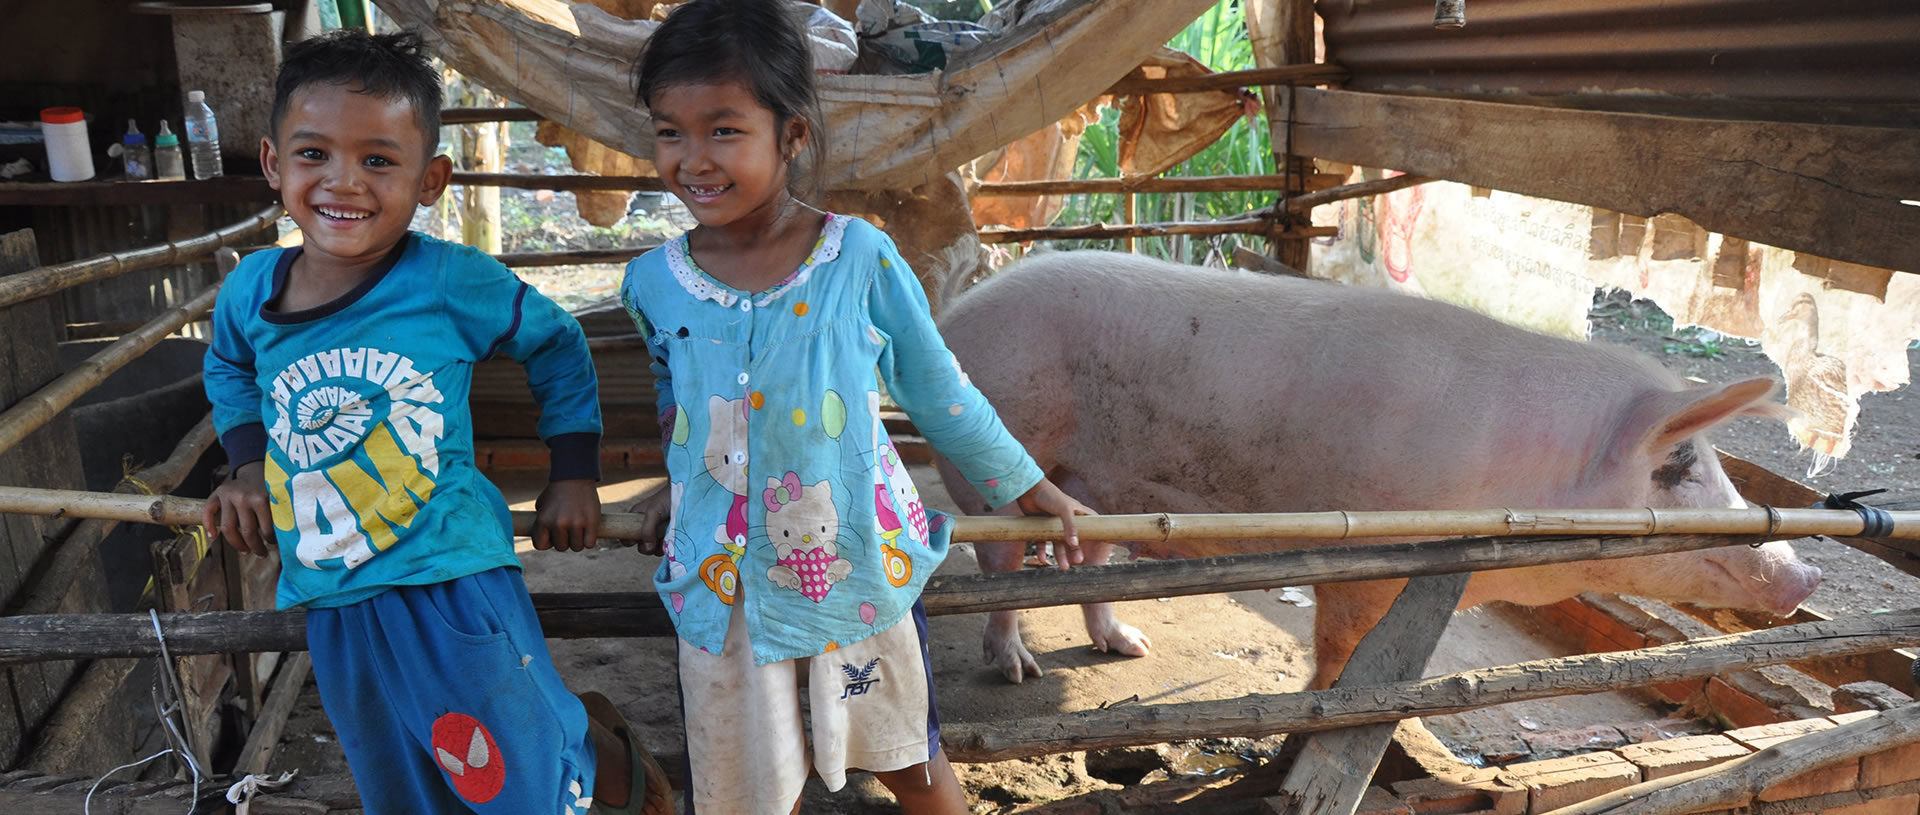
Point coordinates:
[(1886, 783)]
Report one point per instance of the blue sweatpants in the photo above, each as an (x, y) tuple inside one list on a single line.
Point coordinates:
[(446, 701)]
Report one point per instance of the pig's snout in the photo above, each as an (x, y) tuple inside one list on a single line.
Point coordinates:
[(1798, 580), (1771, 576)]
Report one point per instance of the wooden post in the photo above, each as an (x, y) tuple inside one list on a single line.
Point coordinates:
[(188, 576), (45, 457), (1282, 34), (1332, 770), (480, 151), (1129, 215), (257, 753)]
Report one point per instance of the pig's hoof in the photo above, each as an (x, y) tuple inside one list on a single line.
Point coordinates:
[(1119, 638), (1012, 659)]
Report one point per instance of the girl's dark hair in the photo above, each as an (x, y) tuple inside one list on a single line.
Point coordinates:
[(758, 43), (389, 66)]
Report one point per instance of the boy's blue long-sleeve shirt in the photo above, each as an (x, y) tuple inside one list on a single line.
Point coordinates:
[(359, 408)]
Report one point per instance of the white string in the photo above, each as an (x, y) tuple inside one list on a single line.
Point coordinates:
[(242, 791), (170, 685), (86, 807)]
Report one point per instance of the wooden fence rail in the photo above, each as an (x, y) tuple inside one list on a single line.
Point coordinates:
[(1262, 715), (639, 614)]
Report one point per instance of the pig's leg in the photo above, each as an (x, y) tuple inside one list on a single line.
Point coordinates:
[(1103, 627), (1001, 645)]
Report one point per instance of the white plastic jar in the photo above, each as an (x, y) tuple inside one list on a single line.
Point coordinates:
[(68, 156)]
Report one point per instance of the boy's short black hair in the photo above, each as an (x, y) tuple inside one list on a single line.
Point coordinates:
[(391, 66)]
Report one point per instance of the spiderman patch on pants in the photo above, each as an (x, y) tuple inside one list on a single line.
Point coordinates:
[(465, 749)]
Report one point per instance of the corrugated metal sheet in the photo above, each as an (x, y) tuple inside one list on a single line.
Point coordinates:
[(1862, 53), (67, 233)]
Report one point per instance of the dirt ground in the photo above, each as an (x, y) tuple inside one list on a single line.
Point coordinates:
[(1207, 647)]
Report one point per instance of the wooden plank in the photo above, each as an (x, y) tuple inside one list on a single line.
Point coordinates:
[(1769, 182), (223, 190), (257, 753), (44, 458), (1334, 768)]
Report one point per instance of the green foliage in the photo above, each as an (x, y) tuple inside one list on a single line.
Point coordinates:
[(1219, 40)]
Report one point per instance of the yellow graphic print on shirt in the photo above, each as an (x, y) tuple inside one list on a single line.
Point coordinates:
[(328, 406)]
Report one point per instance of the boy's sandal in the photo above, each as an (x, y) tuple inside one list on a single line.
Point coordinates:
[(651, 793)]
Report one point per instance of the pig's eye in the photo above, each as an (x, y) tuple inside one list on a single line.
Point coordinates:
[(1679, 467)]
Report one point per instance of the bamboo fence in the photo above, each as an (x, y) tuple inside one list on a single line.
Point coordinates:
[(40, 282), (74, 548), (42, 405)]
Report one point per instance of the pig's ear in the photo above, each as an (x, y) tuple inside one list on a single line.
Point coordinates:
[(1689, 413)]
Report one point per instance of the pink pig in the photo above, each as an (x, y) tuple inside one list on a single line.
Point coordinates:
[(1146, 386)]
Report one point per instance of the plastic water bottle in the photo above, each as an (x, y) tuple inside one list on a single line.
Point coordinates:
[(203, 136), (134, 155), (167, 162)]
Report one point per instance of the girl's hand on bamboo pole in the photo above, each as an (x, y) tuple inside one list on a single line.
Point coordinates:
[(654, 509), (240, 512), (1046, 499)]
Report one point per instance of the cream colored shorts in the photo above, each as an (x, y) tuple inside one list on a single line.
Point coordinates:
[(869, 704)]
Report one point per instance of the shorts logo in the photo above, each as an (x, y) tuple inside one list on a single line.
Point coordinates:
[(859, 681), (466, 750)]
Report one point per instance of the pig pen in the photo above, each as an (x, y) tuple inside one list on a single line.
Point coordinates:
[(1521, 757)]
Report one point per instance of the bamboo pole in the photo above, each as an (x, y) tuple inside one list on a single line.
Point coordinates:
[(49, 279), (578, 256), (1245, 226), (77, 547), (1308, 74), (1125, 184), (1762, 522), (566, 182), (1260, 715), (1733, 784), (1307, 201), (42, 405)]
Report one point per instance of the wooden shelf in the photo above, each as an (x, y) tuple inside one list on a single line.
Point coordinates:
[(222, 190)]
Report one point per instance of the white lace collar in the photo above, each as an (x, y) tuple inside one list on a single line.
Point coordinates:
[(703, 287)]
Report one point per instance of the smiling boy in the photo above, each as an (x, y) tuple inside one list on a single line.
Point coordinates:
[(339, 373)]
